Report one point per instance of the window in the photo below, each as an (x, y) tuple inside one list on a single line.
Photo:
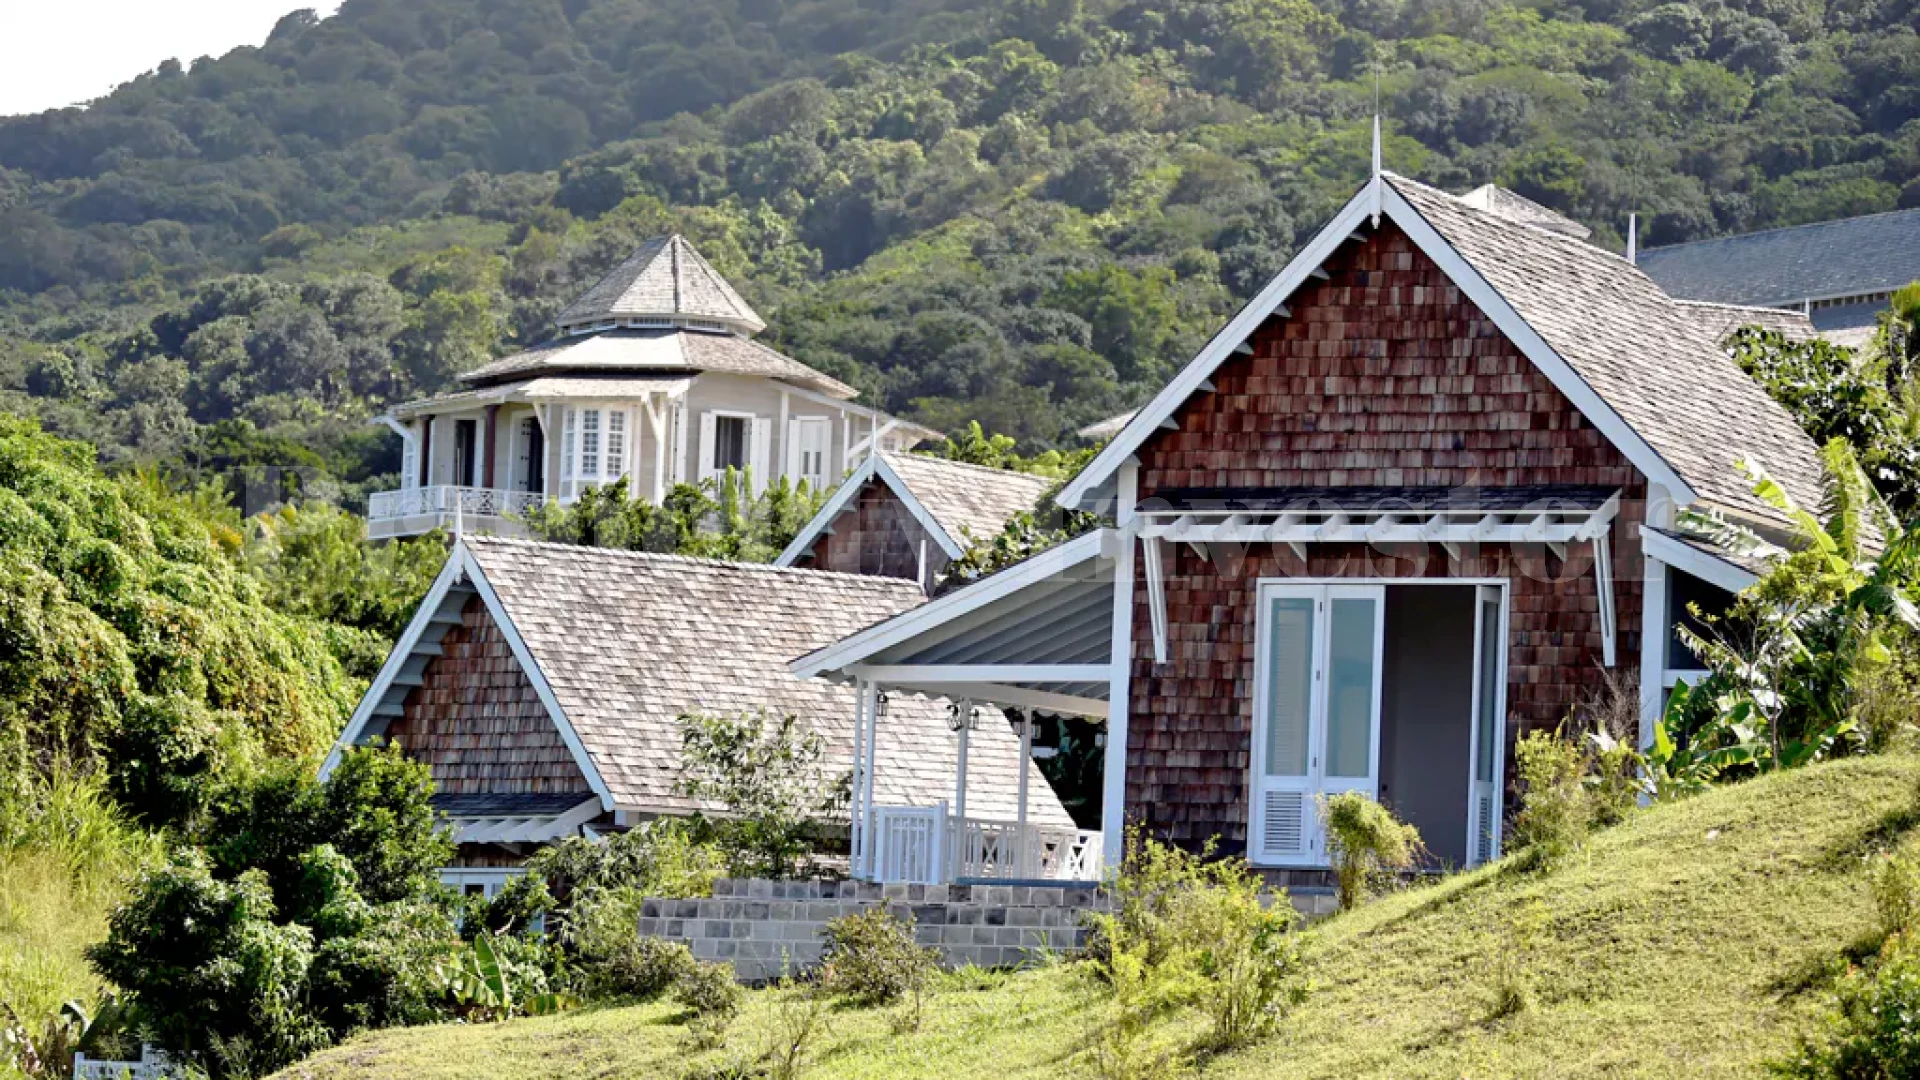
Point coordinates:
[(730, 435), (593, 449)]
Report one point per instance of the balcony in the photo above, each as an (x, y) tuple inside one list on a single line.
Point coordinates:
[(412, 511), (927, 845)]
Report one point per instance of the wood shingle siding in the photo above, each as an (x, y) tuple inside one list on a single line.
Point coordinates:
[(877, 536), (478, 722), (1383, 375)]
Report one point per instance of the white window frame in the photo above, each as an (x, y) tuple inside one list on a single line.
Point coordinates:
[(710, 440), (1267, 588), (612, 451)]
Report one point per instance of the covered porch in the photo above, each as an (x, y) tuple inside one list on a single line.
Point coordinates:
[(1033, 639), (478, 459)]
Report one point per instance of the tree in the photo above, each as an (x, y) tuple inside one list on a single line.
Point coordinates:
[(764, 774)]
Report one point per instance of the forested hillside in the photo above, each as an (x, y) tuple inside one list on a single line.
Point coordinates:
[(1024, 212)]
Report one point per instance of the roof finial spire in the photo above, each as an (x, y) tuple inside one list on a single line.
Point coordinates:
[(1633, 239)]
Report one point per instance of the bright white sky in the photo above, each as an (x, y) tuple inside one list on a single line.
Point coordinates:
[(64, 52)]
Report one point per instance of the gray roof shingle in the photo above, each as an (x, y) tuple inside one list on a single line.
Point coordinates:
[(1854, 256), (629, 642), (969, 501), (1720, 321), (664, 350), (1651, 361), (666, 279)]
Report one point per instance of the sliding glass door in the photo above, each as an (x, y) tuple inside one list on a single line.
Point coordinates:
[(1316, 710)]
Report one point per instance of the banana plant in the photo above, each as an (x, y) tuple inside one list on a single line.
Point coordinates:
[(480, 986)]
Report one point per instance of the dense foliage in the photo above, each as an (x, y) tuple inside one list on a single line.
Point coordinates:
[(133, 639), (306, 911), (1015, 211)]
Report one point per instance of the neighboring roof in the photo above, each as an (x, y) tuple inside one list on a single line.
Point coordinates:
[(1516, 207), (665, 279), (967, 500), (1704, 559), (1108, 428), (1281, 500), (1719, 321), (621, 644), (1636, 366), (659, 350), (957, 503), (1851, 257)]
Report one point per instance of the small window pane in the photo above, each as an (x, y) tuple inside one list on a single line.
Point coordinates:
[(589, 444), (1350, 670), (1289, 684), (729, 443)]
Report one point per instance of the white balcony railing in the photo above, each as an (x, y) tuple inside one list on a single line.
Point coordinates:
[(926, 845), (446, 500)]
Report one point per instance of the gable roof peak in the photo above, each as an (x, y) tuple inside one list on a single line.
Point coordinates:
[(664, 280), (1514, 206)]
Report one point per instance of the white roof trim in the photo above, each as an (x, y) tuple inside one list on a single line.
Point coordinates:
[(875, 466), (856, 648), (1688, 559), (1350, 218), (460, 565)]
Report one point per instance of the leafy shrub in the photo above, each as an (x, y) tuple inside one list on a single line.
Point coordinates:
[(215, 977), (765, 773), (1872, 1033), (1364, 839), (712, 998), (799, 1020), (1554, 808), (1188, 930), (872, 958), (641, 969)]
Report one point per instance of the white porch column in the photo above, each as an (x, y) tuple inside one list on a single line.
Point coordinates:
[(1655, 620), (1113, 802), (875, 705), (960, 792), (780, 446), (657, 411), (1026, 759), (856, 821)]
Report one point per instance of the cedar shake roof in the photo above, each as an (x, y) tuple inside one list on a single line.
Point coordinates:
[(629, 642), (668, 351), (1643, 353), (971, 502), (1858, 256), (665, 279)]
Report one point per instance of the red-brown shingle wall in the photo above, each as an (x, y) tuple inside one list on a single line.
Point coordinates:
[(477, 720), (1383, 375), (878, 536)]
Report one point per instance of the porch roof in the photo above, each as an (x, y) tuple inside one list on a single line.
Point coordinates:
[(1037, 635), (1383, 499), (549, 388)]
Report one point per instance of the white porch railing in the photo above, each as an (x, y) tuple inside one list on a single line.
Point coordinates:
[(153, 1065), (926, 845), (446, 499)]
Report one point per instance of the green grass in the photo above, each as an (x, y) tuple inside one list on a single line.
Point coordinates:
[(1695, 940)]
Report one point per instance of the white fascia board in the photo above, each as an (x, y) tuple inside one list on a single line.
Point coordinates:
[(1148, 420), (539, 679), (837, 505), (1517, 330), (363, 713), (1024, 697), (857, 647), (1691, 560), (982, 673)]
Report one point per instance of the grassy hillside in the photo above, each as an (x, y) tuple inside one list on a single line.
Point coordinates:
[(1698, 939)]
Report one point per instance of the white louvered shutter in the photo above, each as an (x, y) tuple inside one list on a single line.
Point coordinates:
[(410, 462), (790, 464), (677, 471), (705, 470), (760, 451)]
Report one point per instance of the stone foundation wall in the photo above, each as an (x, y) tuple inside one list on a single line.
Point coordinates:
[(772, 928)]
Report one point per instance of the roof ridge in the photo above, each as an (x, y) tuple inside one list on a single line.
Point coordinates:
[(1896, 212), (1584, 246), (880, 584), (1733, 307)]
